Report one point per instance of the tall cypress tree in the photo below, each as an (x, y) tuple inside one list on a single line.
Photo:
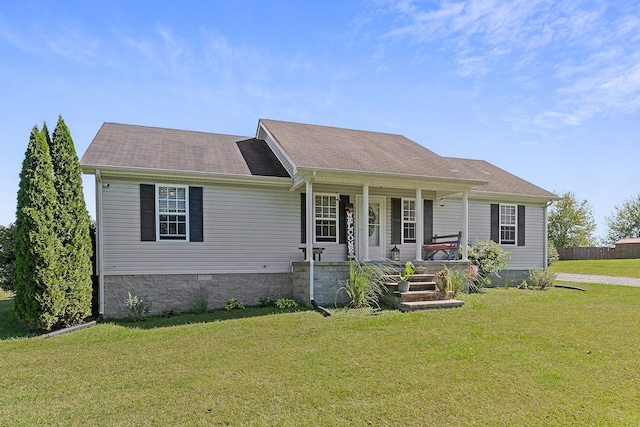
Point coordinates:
[(72, 225), (39, 298)]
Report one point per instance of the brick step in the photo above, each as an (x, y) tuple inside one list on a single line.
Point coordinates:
[(426, 305), (422, 296)]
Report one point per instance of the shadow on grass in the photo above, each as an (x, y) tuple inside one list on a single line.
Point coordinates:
[(10, 326), (217, 315)]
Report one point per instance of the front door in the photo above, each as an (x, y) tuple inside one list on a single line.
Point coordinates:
[(376, 231)]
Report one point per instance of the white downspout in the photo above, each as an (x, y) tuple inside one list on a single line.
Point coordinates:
[(365, 222), (419, 224), (309, 237), (99, 242), (465, 226), (545, 260)]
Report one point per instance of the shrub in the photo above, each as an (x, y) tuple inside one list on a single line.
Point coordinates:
[(457, 281), (139, 308), (170, 312), (540, 278), (283, 303), (233, 304), (266, 302), (365, 284), (201, 304), (490, 259)]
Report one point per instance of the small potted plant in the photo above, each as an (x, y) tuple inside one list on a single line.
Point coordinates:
[(442, 278), (409, 269)]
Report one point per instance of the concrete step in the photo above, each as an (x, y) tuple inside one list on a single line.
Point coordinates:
[(427, 305), (422, 296), (414, 286), (414, 278)]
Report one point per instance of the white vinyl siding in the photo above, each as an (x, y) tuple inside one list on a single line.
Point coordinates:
[(448, 219), (246, 229)]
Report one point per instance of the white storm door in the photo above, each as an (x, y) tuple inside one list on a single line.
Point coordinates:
[(376, 231)]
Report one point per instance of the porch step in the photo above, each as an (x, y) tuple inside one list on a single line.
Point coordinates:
[(413, 286), (426, 305), (430, 295)]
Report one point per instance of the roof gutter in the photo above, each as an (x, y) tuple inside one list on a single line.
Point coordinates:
[(129, 172)]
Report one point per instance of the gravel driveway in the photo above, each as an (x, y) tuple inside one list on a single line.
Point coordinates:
[(608, 280)]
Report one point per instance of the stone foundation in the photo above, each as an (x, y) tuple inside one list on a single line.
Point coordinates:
[(186, 291)]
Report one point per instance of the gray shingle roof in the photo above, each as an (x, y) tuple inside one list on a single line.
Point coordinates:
[(325, 147), (132, 146), (308, 146), (499, 180)]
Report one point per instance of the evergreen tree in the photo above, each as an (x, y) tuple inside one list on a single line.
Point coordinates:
[(39, 298), (7, 257), (72, 225)]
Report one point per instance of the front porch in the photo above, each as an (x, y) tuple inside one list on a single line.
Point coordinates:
[(328, 277)]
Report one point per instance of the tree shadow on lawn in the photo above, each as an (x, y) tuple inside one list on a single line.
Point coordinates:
[(10, 326), (217, 315)]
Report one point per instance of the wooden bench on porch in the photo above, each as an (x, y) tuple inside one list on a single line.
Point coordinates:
[(315, 251), (448, 244)]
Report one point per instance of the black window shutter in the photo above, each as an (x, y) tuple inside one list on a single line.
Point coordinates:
[(396, 221), (495, 222), (344, 201), (303, 218), (521, 223), (195, 214), (147, 212), (427, 216)]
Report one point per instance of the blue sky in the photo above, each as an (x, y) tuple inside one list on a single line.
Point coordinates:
[(548, 90)]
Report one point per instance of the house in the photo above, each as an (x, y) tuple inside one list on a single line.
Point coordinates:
[(186, 215)]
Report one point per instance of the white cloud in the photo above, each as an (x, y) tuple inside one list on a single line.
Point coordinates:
[(582, 55)]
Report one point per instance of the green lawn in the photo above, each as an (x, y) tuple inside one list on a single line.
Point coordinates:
[(600, 267), (508, 357)]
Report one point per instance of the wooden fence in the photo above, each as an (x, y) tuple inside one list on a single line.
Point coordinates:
[(586, 253)]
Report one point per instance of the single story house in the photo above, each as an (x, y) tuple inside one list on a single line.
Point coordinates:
[(185, 215)]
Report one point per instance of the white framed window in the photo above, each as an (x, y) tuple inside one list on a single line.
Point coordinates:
[(172, 216), (508, 224), (408, 220), (326, 218)]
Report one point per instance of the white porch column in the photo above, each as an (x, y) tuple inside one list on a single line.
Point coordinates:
[(465, 226), (419, 224), (364, 215)]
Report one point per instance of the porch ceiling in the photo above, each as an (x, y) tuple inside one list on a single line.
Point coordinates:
[(442, 186)]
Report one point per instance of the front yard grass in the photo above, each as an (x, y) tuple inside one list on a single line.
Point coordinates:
[(508, 357), (600, 267)]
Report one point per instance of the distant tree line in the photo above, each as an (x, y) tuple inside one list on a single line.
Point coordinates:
[(571, 222)]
